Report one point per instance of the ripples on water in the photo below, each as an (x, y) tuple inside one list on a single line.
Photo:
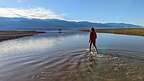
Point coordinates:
[(34, 63), (76, 65), (79, 66)]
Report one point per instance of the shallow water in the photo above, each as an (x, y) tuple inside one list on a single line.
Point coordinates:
[(65, 57)]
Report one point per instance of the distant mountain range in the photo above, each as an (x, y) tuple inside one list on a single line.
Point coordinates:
[(24, 23)]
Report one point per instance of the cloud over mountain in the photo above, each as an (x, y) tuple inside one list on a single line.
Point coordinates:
[(36, 13)]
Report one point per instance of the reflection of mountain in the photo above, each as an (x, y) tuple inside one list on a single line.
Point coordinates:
[(24, 23)]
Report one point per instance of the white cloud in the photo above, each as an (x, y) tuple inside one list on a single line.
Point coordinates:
[(38, 13), (17, 0), (21, 0)]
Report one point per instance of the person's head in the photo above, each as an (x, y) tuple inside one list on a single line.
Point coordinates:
[(92, 29)]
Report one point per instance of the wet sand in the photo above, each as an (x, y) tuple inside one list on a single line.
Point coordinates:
[(7, 35)]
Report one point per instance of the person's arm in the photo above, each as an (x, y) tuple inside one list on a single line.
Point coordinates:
[(96, 35)]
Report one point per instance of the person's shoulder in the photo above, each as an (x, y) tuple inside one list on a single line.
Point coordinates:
[(94, 32)]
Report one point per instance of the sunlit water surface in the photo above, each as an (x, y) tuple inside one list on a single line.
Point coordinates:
[(65, 57)]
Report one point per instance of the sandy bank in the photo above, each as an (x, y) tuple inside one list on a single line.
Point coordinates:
[(7, 35)]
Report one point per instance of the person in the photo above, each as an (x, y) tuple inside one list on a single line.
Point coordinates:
[(92, 39)]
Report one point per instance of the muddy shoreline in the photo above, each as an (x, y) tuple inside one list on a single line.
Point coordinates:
[(8, 35)]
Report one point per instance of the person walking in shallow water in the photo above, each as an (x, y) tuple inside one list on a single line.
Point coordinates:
[(92, 39)]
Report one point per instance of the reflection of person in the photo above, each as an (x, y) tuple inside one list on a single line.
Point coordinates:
[(92, 39)]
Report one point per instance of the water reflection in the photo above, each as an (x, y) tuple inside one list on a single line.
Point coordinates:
[(64, 57), (15, 46), (123, 42)]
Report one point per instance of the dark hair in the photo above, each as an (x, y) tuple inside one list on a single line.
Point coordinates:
[(92, 29)]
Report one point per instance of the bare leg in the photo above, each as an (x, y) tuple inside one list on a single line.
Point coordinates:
[(90, 46)]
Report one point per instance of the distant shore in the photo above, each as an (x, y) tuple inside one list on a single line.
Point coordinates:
[(7, 35), (125, 31)]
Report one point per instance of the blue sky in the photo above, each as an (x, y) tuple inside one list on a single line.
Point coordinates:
[(106, 11)]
